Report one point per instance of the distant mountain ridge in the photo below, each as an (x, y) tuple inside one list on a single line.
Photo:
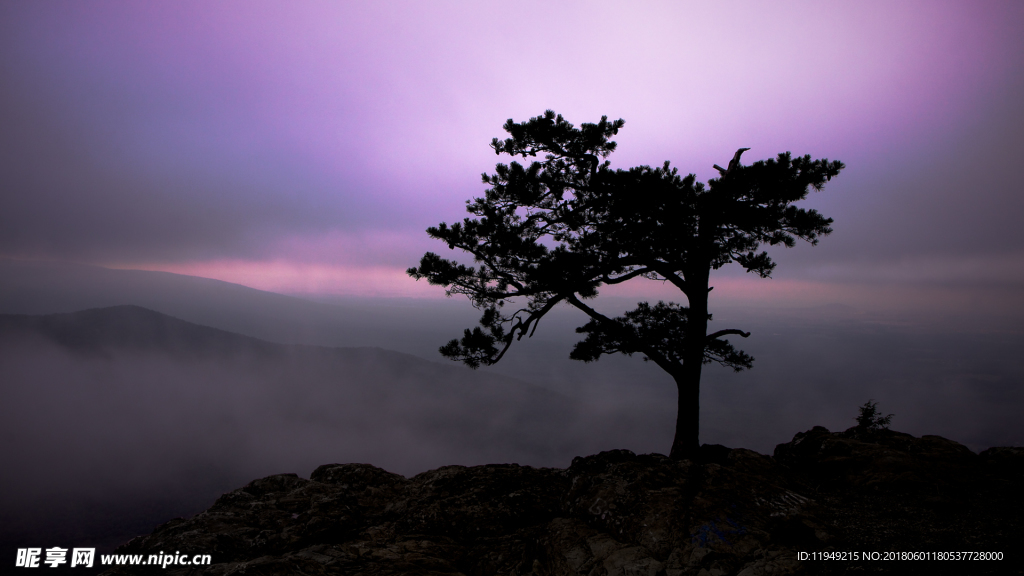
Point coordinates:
[(37, 288), (130, 328), (409, 325)]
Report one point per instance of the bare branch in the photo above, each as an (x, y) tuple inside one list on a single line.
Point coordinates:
[(572, 299), (732, 163), (625, 277), (721, 333)]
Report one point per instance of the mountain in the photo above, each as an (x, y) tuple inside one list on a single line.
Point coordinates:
[(826, 503), (413, 326), (30, 287), (131, 329)]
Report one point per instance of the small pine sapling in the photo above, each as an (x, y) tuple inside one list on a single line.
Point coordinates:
[(871, 419)]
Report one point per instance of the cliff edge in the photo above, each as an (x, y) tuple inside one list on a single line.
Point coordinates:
[(734, 512)]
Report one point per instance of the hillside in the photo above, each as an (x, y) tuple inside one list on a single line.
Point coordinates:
[(131, 329)]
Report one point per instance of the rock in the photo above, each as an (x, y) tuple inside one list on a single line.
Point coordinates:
[(881, 460), (619, 513), (1005, 459)]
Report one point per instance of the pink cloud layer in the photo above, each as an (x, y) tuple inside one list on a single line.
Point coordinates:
[(939, 302)]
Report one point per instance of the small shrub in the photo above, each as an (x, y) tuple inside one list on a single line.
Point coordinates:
[(871, 419)]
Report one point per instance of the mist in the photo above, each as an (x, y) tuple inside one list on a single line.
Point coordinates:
[(104, 437), (127, 413)]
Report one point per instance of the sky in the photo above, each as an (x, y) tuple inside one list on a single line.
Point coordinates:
[(305, 147)]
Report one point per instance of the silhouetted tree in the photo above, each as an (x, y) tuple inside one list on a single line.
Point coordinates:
[(558, 229), (871, 419)]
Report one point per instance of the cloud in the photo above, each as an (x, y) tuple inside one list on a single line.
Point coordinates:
[(326, 138), (287, 277)]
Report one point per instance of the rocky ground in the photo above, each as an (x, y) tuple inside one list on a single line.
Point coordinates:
[(734, 512)]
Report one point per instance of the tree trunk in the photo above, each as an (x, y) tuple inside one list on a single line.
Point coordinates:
[(686, 444)]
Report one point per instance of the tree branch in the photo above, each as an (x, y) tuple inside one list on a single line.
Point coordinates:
[(721, 333), (732, 163), (536, 316), (659, 359), (623, 278), (674, 278), (572, 299)]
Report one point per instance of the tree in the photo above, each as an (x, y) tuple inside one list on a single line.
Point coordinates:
[(870, 419), (557, 230)]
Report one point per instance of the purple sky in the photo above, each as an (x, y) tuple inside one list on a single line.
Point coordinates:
[(305, 147)]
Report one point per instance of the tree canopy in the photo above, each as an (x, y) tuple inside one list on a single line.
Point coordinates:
[(556, 230)]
